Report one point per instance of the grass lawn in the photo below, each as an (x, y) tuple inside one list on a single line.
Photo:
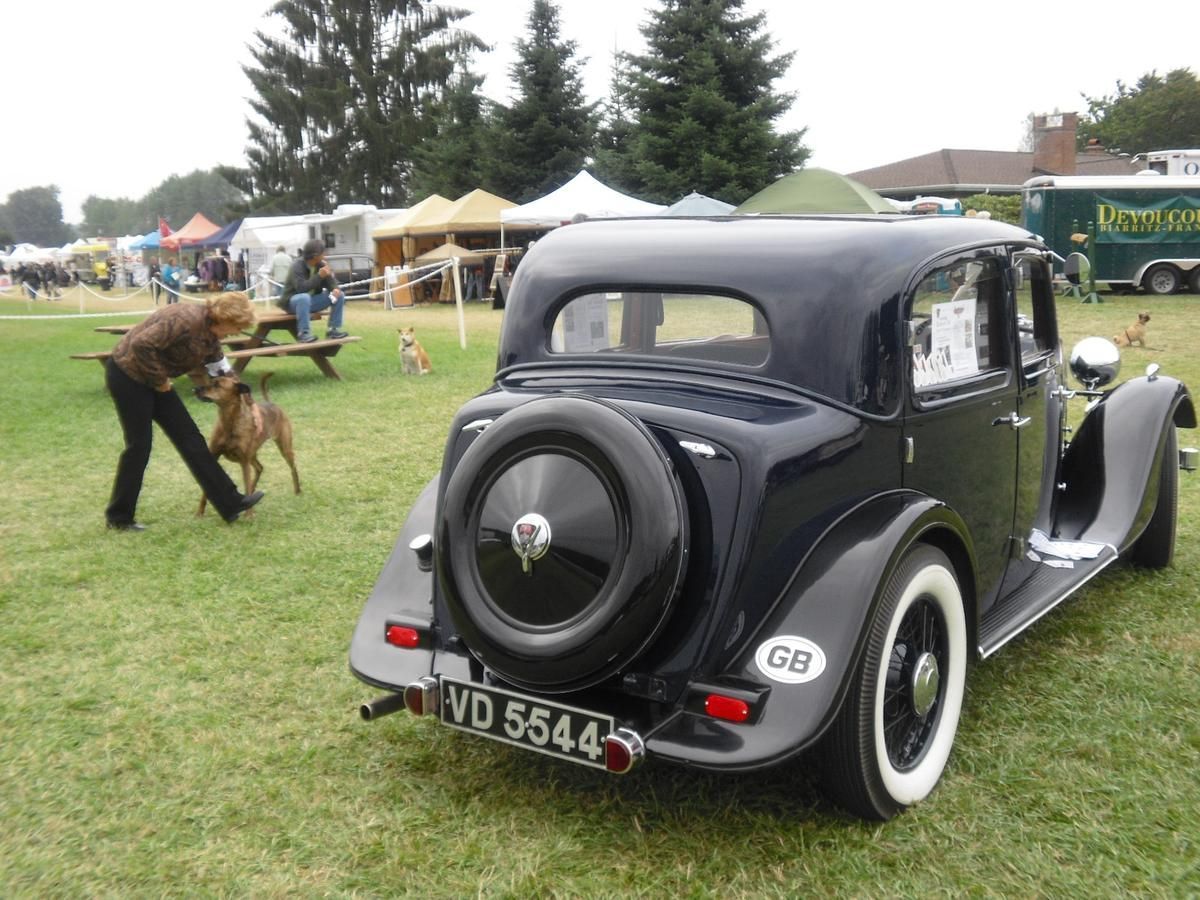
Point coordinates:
[(177, 716)]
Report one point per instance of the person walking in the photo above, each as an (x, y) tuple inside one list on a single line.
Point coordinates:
[(155, 278), (281, 264), (172, 341), (310, 287)]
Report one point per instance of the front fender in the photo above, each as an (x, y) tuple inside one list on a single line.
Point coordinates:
[(830, 603), (403, 594), (1111, 470)]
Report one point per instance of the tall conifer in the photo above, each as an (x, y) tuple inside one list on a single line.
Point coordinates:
[(703, 107), (342, 96), (546, 136)]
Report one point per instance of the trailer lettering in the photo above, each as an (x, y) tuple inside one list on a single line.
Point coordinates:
[(1150, 221)]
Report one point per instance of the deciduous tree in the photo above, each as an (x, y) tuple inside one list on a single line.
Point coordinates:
[(1157, 113), (34, 215)]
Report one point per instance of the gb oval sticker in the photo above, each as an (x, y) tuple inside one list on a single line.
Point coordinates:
[(790, 659)]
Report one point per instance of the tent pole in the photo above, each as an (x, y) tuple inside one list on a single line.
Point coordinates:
[(458, 301)]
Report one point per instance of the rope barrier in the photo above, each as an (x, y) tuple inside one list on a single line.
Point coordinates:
[(435, 269)]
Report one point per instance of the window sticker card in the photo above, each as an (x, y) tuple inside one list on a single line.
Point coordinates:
[(585, 324), (953, 339)]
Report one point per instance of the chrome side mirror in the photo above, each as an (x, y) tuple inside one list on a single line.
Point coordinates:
[(1095, 362)]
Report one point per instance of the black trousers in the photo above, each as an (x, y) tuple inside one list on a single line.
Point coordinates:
[(138, 406)]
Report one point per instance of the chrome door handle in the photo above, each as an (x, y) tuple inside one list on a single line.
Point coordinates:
[(1012, 420)]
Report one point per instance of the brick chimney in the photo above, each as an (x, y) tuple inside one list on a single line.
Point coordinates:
[(1054, 143)]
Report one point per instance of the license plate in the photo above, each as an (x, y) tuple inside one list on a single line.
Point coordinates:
[(535, 724)]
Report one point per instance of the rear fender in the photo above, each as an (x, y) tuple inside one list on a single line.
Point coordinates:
[(1111, 469), (403, 595), (829, 606)]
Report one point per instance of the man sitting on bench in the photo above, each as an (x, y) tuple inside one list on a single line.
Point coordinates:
[(310, 287)]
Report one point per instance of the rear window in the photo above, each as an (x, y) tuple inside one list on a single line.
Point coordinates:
[(703, 327)]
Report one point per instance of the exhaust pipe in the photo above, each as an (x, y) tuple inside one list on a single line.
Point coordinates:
[(381, 706)]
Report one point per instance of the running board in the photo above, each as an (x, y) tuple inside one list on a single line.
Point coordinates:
[(1042, 591)]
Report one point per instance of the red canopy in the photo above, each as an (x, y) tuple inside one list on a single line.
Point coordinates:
[(197, 229)]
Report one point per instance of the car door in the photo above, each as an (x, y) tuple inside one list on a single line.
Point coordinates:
[(960, 438), (1039, 408)]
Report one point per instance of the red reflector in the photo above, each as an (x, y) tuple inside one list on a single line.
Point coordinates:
[(399, 636), (618, 756), (729, 708)]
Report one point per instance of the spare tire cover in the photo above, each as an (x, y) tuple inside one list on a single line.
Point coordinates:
[(562, 542)]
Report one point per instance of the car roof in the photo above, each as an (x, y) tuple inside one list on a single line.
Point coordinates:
[(829, 286)]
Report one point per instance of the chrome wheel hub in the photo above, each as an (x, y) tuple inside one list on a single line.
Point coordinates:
[(925, 680)]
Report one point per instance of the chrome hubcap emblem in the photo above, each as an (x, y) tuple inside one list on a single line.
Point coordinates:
[(530, 539), (925, 680)]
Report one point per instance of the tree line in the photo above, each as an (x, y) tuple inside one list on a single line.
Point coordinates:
[(375, 101)]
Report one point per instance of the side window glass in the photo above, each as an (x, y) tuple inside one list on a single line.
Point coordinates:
[(956, 323), (686, 326), (1035, 305)]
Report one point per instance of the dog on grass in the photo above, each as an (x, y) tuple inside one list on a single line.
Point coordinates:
[(235, 436), (1135, 333), (413, 358)]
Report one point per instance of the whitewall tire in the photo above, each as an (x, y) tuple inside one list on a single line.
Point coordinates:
[(890, 743)]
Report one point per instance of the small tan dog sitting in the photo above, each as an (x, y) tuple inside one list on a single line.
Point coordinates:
[(1135, 333), (413, 358), (235, 435)]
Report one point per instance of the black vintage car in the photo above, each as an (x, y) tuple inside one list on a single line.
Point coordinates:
[(749, 487)]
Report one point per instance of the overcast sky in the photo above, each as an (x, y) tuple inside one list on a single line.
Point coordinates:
[(115, 98)]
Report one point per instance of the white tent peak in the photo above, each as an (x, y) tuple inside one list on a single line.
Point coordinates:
[(583, 195)]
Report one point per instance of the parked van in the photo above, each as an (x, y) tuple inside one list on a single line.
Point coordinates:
[(1147, 226)]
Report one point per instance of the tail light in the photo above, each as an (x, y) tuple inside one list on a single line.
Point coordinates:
[(731, 709), (402, 636), (421, 696), (623, 750)]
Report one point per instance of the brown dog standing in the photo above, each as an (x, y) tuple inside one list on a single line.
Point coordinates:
[(1135, 333), (235, 436)]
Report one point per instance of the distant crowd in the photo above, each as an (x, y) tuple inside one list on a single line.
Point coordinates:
[(46, 280), (42, 279)]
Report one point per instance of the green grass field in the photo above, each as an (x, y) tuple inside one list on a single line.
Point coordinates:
[(177, 717)]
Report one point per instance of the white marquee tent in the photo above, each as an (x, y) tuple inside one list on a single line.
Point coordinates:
[(583, 195)]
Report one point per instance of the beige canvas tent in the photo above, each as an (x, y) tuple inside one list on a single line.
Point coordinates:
[(477, 211), (394, 243), (449, 251)]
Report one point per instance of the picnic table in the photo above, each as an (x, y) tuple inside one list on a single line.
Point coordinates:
[(246, 347), (261, 344)]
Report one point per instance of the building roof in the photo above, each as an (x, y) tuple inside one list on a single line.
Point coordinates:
[(976, 171)]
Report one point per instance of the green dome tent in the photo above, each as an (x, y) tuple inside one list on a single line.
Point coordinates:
[(815, 191)]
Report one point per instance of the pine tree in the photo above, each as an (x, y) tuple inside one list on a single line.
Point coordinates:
[(546, 136), (343, 98), (451, 161), (704, 107), (613, 162)]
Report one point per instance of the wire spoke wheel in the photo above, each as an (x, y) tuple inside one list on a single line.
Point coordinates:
[(912, 686), (892, 738)]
